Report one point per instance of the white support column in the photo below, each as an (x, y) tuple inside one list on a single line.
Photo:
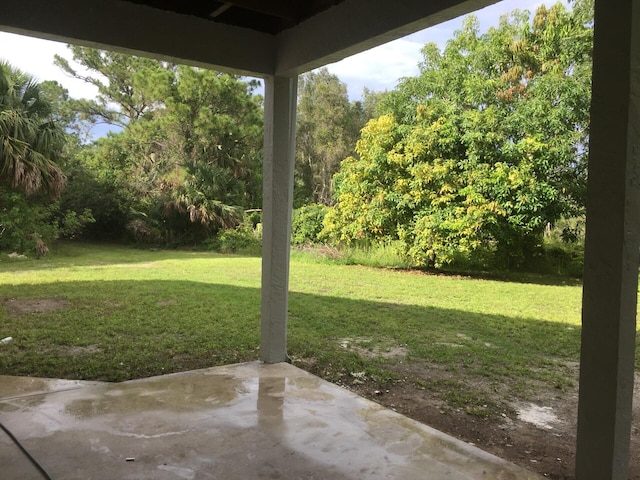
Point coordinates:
[(279, 159), (612, 246)]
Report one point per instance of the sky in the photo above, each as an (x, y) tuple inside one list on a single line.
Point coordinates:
[(378, 69)]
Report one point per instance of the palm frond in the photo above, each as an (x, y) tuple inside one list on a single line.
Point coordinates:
[(30, 142)]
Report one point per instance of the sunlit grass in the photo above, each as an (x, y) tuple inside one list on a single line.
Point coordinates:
[(128, 313)]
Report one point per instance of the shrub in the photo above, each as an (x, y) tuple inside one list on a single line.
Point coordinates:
[(246, 239), (306, 224), (22, 224), (28, 224), (142, 231)]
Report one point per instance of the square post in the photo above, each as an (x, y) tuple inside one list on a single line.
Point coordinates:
[(279, 160), (612, 246)]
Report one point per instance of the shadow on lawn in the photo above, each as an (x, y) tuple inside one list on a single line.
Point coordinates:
[(503, 276), (118, 330)]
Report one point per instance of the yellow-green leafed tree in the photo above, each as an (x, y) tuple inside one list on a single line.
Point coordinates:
[(481, 151)]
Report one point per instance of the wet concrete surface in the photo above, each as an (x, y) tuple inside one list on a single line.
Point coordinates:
[(22, 386), (246, 421)]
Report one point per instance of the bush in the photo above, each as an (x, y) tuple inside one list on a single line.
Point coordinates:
[(306, 224), (22, 224), (28, 224), (245, 239), (143, 231), (109, 202), (567, 259), (564, 247)]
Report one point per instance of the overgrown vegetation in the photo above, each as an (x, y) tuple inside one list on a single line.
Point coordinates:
[(475, 157), (328, 128), (32, 143), (478, 163)]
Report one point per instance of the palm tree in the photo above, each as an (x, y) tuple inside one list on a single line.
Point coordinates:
[(30, 141)]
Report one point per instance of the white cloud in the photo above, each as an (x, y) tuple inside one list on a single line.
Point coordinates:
[(380, 68), (35, 56)]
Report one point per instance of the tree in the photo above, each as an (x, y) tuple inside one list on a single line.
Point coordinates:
[(187, 161), (476, 155), (30, 140), (135, 85), (328, 126), (218, 126), (33, 145)]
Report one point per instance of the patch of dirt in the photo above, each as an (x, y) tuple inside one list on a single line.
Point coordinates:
[(165, 303), (538, 434), (17, 307), (541, 417), (81, 350), (362, 347)]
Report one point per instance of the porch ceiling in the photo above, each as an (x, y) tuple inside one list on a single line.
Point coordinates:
[(264, 16), (257, 37)]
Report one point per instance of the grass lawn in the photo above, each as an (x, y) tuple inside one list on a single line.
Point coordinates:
[(113, 313)]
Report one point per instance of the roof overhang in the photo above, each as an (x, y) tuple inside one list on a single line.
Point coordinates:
[(332, 34)]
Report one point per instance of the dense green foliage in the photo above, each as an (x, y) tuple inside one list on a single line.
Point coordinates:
[(306, 224), (33, 145), (328, 127), (30, 141), (482, 151), (469, 163), (28, 224), (187, 160)]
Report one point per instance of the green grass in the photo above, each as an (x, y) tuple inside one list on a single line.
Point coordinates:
[(130, 313)]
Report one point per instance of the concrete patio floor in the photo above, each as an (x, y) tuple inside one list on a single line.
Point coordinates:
[(245, 421)]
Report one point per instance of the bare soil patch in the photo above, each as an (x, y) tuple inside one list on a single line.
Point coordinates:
[(538, 433), (81, 350), (362, 346), (165, 303), (17, 307)]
